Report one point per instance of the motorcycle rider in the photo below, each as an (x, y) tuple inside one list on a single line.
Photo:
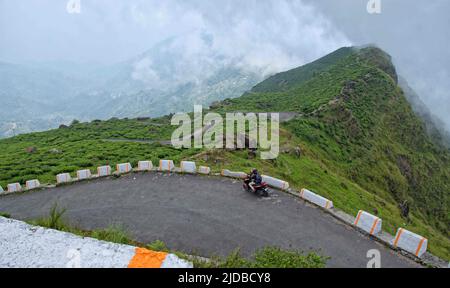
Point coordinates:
[(255, 179)]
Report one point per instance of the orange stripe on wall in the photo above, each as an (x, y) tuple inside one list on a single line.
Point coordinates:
[(374, 226), (398, 237), (358, 217), (419, 246), (144, 258)]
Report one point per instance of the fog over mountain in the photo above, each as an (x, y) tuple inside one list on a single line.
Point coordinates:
[(148, 58)]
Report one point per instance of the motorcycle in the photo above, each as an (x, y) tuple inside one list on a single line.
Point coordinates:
[(261, 190)]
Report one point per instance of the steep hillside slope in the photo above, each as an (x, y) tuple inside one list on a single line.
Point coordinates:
[(356, 140), (356, 116)]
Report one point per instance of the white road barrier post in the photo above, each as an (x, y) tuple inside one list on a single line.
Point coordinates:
[(166, 165), (368, 222), (84, 174), (14, 187), (123, 168), (103, 171), (275, 183), (145, 165), (316, 199), (231, 174), (63, 178), (204, 170), (188, 167), (32, 184), (410, 242)]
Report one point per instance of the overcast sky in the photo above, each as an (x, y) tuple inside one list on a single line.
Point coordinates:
[(273, 35)]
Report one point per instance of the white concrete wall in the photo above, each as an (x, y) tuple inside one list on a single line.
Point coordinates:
[(104, 171), (204, 170), (63, 178), (228, 173), (275, 183), (316, 199), (188, 167), (166, 165), (410, 242), (145, 165), (84, 174), (124, 168), (14, 187), (368, 222), (26, 246), (32, 184)]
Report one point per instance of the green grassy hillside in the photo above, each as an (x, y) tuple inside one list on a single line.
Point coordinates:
[(356, 140)]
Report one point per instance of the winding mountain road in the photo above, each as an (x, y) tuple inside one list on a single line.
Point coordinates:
[(203, 215)]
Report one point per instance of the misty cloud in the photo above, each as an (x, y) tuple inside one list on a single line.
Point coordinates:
[(262, 36), (266, 39)]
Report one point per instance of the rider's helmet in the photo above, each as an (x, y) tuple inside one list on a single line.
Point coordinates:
[(254, 170)]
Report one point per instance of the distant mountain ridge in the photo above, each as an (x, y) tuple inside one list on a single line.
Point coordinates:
[(160, 81)]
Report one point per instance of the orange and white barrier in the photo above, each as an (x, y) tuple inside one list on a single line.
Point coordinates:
[(145, 165), (410, 242), (84, 174), (29, 247), (63, 178), (188, 167), (14, 187), (123, 168), (166, 165), (204, 170), (316, 199), (144, 258), (32, 184), (275, 183), (103, 171), (368, 222), (231, 174)]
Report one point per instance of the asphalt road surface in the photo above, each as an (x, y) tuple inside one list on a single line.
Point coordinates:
[(204, 216)]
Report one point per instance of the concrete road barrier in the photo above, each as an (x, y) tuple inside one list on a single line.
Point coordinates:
[(316, 199), (124, 168), (84, 174), (166, 165), (26, 246), (204, 170), (231, 174), (410, 242), (145, 165), (103, 171), (275, 183), (63, 178), (14, 187), (188, 167), (32, 184), (368, 222)]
